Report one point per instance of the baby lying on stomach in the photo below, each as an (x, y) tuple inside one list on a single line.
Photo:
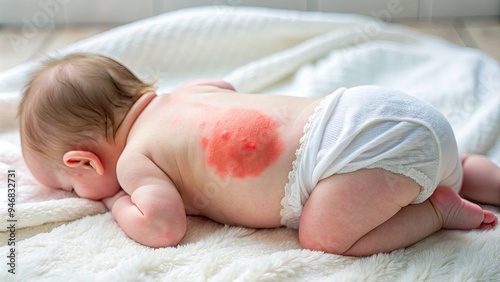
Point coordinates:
[(361, 171)]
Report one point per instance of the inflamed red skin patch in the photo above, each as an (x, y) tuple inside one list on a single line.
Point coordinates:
[(242, 143)]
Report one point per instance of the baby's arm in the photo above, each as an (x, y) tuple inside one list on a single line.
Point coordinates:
[(152, 213)]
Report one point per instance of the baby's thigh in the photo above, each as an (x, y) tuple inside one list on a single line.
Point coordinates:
[(344, 207)]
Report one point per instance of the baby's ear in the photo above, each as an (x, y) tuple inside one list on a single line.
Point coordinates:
[(83, 159)]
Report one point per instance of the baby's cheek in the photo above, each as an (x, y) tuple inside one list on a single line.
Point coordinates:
[(243, 143)]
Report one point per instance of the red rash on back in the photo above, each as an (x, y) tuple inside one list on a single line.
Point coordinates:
[(242, 143)]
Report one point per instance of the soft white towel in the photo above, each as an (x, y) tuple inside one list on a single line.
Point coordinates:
[(258, 50)]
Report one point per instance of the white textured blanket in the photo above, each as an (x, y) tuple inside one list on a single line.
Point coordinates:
[(287, 52)]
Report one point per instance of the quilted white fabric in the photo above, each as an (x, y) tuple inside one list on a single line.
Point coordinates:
[(257, 50)]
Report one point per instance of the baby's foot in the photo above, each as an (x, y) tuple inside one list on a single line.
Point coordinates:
[(481, 182), (457, 213)]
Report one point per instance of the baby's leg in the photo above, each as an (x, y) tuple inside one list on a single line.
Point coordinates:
[(368, 211), (481, 180)]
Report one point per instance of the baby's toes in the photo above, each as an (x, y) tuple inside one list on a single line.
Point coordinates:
[(490, 220)]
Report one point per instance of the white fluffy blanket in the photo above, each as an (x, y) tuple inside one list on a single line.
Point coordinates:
[(60, 237)]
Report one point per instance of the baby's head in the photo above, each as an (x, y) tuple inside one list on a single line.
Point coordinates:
[(70, 107)]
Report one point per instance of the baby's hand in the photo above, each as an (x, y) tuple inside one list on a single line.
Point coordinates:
[(110, 201)]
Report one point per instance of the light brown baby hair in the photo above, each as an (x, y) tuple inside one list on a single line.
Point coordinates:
[(71, 102)]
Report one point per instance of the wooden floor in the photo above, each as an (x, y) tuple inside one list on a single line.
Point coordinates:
[(18, 45), (482, 32)]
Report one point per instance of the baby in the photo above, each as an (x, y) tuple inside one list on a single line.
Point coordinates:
[(362, 171)]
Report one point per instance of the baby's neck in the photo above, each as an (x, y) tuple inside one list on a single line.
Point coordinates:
[(131, 116)]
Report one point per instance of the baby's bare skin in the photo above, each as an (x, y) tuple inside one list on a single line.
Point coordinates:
[(178, 126), (207, 150)]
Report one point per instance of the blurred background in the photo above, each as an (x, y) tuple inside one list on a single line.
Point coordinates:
[(29, 28)]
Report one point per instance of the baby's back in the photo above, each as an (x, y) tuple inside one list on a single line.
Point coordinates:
[(229, 154)]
